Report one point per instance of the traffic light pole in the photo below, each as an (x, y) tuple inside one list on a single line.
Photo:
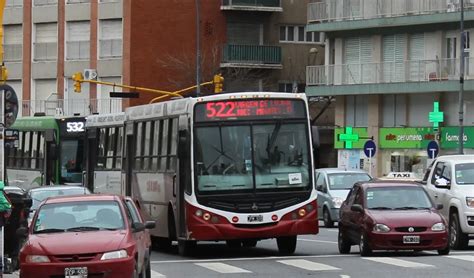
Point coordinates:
[(461, 84)]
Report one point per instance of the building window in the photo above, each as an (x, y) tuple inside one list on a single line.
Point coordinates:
[(289, 87), (77, 1), (78, 40), (46, 42), (110, 39), (13, 42), (289, 33), (45, 2), (14, 3), (357, 110)]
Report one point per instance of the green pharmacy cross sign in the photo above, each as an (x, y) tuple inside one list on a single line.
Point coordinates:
[(436, 116), (348, 137)]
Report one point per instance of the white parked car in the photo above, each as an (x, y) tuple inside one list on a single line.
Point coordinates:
[(450, 182)]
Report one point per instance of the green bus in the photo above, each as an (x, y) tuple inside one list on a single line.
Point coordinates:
[(48, 150)]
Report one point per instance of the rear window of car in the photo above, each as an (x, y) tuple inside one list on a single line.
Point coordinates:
[(464, 173), (39, 195), (345, 181), (83, 215), (397, 198)]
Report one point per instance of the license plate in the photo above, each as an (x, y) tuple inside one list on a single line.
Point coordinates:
[(411, 239), (75, 272), (255, 218)]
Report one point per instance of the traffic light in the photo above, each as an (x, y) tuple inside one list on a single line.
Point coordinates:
[(218, 83), (78, 78)]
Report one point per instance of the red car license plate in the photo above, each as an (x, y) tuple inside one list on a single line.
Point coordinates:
[(75, 272), (411, 239)]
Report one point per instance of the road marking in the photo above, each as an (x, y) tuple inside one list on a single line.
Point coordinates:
[(308, 265), (155, 274), (345, 276), (397, 262), (462, 257), (318, 241), (223, 268), (251, 259)]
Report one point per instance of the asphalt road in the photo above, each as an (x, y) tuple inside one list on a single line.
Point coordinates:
[(315, 256)]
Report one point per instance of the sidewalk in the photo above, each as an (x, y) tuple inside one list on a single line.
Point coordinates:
[(14, 275)]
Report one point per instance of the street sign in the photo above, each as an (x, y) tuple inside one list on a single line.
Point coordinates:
[(432, 149), (125, 95), (11, 105), (11, 138), (349, 137), (436, 116), (370, 148)]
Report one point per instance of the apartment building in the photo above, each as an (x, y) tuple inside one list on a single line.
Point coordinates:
[(388, 62), (256, 44)]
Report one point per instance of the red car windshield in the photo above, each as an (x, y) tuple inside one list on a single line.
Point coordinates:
[(397, 198), (79, 216)]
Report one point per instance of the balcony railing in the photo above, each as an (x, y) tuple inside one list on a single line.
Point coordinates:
[(251, 54), (338, 10), (13, 52), (45, 51), (77, 1), (14, 3), (77, 50), (111, 48), (45, 2), (390, 72), (71, 106), (252, 3)]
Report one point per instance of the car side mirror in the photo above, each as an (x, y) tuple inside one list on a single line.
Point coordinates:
[(22, 232), (150, 225), (138, 227), (319, 187), (439, 206), (357, 208), (442, 183)]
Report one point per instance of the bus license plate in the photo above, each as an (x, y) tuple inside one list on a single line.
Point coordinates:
[(75, 272), (255, 218), (411, 239)]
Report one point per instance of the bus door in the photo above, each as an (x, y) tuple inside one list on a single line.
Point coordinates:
[(182, 180), (50, 173), (127, 164), (91, 157)]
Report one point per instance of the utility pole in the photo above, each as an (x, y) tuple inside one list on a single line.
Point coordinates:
[(461, 83), (198, 49)]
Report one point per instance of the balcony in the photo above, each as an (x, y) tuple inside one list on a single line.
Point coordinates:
[(401, 77), (252, 5), (77, 50), (56, 107), (13, 52), (251, 56), (45, 51), (334, 15)]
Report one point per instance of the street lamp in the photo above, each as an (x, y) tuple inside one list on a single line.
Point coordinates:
[(461, 83)]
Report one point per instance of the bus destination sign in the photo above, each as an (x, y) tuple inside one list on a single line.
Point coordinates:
[(249, 109)]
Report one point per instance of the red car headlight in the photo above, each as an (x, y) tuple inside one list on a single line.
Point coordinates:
[(381, 228), (37, 259)]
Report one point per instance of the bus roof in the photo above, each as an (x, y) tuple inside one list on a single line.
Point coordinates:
[(181, 106), (35, 123), (105, 119)]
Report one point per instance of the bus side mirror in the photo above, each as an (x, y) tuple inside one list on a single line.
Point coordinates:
[(183, 143)]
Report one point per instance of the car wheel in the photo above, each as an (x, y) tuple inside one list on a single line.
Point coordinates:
[(186, 247), (161, 243), (135, 271), (286, 245), (343, 243), (457, 239), (444, 251), (249, 243), (364, 246), (147, 269), (328, 223)]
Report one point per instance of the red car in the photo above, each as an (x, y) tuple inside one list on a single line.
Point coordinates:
[(384, 215), (87, 236)]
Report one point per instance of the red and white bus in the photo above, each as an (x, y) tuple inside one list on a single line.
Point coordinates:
[(234, 167)]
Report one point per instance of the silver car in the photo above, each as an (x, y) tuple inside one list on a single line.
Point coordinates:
[(333, 185)]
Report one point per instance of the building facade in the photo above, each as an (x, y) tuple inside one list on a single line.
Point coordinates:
[(257, 45), (388, 62)]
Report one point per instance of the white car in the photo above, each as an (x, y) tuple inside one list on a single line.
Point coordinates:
[(450, 182)]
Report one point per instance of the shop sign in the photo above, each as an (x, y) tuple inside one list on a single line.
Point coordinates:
[(406, 138), (450, 137), (361, 132)]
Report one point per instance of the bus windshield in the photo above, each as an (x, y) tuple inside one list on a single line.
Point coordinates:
[(71, 160), (252, 158)]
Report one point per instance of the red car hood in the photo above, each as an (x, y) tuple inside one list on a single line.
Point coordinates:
[(76, 242), (403, 218)]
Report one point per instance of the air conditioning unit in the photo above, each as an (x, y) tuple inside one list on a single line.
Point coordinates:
[(90, 74)]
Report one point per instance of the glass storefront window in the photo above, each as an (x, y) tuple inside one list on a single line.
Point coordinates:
[(413, 161)]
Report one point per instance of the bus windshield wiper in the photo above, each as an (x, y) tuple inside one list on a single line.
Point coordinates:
[(51, 230), (82, 228)]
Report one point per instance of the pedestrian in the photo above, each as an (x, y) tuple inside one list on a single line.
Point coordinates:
[(5, 211)]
